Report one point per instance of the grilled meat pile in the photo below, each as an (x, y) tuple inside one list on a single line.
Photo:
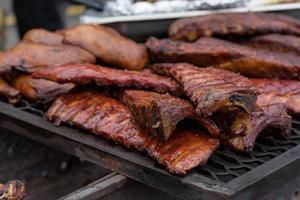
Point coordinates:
[(179, 103)]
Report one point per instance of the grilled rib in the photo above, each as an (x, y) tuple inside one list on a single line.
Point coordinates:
[(159, 114), (12, 190), (233, 24), (43, 36), (108, 45), (247, 127), (214, 52), (83, 74), (10, 93), (29, 57), (109, 118), (210, 89), (276, 42), (40, 90), (279, 91)]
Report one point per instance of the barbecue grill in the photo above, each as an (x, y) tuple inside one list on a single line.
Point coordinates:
[(228, 175)]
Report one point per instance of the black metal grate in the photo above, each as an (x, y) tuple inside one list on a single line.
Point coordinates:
[(225, 165)]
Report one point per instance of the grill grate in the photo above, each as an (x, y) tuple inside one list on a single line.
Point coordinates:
[(225, 165)]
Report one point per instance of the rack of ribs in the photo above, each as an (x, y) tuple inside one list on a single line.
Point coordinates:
[(29, 57), (109, 118), (40, 90), (276, 42), (12, 190), (10, 93), (159, 114), (107, 45), (222, 54), (271, 120), (233, 24), (83, 74), (279, 91), (210, 89), (43, 36)]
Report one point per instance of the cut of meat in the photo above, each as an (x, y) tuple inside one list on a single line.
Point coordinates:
[(109, 118), (272, 118), (108, 45), (40, 90), (83, 74), (10, 93), (210, 89), (43, 36), (226, 55), (29, 57), (276, 42), (159, 114), (233, 24), (279, 91)]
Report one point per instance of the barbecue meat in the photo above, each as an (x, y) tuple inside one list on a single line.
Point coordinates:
[(210, 89), (43, 36), (233, 24), (276, 42), (214, 52), (279, 91), (159, 114), (12, 190), (40, 90), (87, 73), (11, 94), (29, 57), (108, 45), (272, 118), (109, 118)]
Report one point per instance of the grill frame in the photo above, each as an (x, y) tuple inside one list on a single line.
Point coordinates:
[(28, 121)]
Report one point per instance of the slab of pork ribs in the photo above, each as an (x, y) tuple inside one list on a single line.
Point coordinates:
[(29, 57), (274, 91), (206, 51), (159, 114), (40, 90), (11, 94), (83, 74), (276, 42), (109, 118), (233, 24)]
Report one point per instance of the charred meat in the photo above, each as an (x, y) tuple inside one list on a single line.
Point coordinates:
[(10, 93), (210, 89), (159, 114), (29, 57), (276, 42), (233, 24), (279, 91), (40, 90), (226, 55), (108, 45), (109, 118), (83, 74)]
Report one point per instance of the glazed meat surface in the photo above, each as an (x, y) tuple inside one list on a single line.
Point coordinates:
[(109, 118), (40, 90), (43, 36), (210, 89), (238, 58), (87, 73), (233, 24), (10, 93), (29, 57), (247, 127), (276, 42), (108, 45), (12, 190), (159, 114), (279, 91)]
